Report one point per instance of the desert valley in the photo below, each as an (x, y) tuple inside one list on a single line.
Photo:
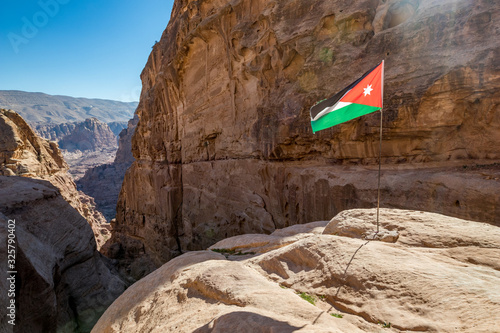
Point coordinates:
[(211, 206)]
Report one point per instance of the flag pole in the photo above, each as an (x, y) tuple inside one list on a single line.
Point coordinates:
[(380, 148), (379, 167)]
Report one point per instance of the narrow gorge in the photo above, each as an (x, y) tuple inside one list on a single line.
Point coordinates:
[(62, 282), (224, 146), (215, 208)]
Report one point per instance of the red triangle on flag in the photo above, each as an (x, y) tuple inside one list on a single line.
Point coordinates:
[(369, 90)]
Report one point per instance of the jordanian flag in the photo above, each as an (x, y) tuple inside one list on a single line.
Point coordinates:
[(361, 97)]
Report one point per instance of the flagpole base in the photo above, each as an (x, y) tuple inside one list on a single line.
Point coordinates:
[(383, 236)]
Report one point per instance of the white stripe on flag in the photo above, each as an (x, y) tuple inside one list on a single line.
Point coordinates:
[(336, 106)]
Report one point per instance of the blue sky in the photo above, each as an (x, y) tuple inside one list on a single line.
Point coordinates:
[(80, 48)]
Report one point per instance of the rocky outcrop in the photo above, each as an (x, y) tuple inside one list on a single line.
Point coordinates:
[(224, 144), (54, 132), (83, 144), (91, 143), (23, 153), (117, 126), (441, 275), (43, 108), (124, 154), (91, 134), (104, 182), (62, 284)]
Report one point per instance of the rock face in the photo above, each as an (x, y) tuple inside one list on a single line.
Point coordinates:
[(23, 153), (117, 126), (42, 108), (83, 144), (91, 143), (91, 134), (54, 132), (442, 275), (224, 144), (86, 135), (62, 283), (104, 182)]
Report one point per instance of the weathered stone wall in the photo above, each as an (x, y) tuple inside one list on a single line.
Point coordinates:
[(24, 153), (224, 144)]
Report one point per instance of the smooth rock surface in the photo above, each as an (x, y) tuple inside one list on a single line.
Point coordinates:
[(63, 284), (416, 228), (224, 144), (426, 282), (383, 235)]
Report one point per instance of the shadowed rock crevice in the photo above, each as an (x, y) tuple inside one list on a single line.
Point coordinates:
[(63, 284)]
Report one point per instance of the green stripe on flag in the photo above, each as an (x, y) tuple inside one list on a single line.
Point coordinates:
[(342, 115)]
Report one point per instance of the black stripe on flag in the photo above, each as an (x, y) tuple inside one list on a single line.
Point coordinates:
[(335, 98)]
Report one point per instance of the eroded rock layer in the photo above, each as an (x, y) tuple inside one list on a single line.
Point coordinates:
[(84, 145), (24, 153), (224, 144)]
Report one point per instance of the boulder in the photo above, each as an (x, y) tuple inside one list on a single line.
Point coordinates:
[(427, 281)]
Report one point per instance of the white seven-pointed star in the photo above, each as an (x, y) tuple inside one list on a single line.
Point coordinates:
[(367, 90)]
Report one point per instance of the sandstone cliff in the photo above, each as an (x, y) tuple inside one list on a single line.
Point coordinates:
[(54, 132), (23, 153), (224, 144), (91, 143), (442, 275), (104, 182), (62, 283)]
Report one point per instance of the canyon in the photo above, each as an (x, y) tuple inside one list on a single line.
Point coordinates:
[(84, 145), (86, 129), (24, 153), (104, 182), (228, 214), (224, 145), (62, 282), (90, 134)]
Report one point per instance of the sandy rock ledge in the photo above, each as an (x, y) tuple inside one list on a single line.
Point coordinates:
[(442, 275)]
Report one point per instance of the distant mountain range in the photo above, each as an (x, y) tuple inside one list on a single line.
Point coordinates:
[(38, 108)]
